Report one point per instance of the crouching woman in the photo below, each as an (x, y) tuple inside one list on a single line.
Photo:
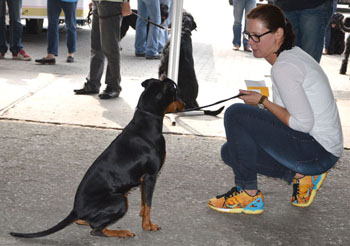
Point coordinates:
[(297, 137)]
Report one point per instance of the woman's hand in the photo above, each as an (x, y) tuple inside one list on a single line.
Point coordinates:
[(250, 97), (253, 98)]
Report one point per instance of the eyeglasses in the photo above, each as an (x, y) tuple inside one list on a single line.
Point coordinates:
[(255, 38)]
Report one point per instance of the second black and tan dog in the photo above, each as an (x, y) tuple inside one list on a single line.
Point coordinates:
[(134, 158), (187, 80)]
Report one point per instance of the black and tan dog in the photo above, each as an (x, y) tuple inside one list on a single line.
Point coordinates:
[(187, 80), (134, 158)]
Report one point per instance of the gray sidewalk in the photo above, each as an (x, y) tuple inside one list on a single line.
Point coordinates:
[(49, 137), (42, 164)]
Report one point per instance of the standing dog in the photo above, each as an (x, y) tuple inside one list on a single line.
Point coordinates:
[(134, 158), (187, 80), (337, 41)]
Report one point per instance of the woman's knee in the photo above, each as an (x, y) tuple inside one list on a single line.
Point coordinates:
[(234, 113)]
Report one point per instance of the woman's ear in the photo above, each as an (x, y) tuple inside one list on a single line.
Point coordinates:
[(280, 32)]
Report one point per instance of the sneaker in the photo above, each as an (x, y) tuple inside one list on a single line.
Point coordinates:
[(305, 189), (2, 55), (21, 55), (235, 47), (238, 201)]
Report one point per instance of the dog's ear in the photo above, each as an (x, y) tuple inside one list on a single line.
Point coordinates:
[(167, 80), (146, 82), (194, 24)]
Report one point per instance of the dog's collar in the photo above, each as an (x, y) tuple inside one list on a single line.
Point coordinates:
[(150, 114)]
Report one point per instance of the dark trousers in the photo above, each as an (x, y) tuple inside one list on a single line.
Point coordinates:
[(105, 37), (258, 142)]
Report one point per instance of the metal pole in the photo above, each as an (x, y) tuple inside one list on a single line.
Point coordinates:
[(175, 39)]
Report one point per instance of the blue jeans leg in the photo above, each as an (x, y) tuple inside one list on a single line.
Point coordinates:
[(53, 13), (163, 33), (240, 7), (257, 142), (3, 41), (144, 43), (15, 9), (310, 27), (153, 32), (69, 9), (141, 28)]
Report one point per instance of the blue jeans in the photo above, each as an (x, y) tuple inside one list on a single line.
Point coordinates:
[(240, 6), (105, 38), (147, 44), (327, 38), (258, 142), (310, 27), (163, 33), (54, 8), (15, 9)]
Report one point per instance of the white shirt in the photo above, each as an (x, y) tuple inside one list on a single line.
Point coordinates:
[(300, 85)]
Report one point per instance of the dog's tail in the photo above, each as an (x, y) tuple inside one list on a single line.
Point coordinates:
[(67, 221)]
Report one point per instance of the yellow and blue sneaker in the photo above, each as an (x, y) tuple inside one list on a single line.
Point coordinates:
[(305, 189), (238, 201)]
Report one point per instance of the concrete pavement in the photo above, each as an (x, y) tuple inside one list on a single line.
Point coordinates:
[(49, 137)]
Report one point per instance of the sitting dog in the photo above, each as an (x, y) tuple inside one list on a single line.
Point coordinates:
[(337, 41), (130, 20), (187, 80), (134, 158)]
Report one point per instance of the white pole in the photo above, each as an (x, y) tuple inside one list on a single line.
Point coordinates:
[(175, 40)]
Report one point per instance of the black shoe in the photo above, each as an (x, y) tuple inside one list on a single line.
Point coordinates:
[(44, 61), (140, 54), (86, 90), (155, 57), (109, 93), (70, 59)]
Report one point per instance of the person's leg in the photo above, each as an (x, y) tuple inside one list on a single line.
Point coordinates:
[(53, 13), (313, 24), (15, 9), (327, 38), (110, 37), (256, 137), (293, 17), (141, 28), (3, 41), (244, 154), (163, 33), (153, 7), (97, 57), (238, 7), (249, 4), (69, 9)]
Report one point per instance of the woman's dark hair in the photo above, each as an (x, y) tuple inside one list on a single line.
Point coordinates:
[(274, 18)]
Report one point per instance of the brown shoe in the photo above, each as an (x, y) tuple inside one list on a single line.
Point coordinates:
[(247, 49)]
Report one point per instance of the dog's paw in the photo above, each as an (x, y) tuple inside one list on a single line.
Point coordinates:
[(150, 227)]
